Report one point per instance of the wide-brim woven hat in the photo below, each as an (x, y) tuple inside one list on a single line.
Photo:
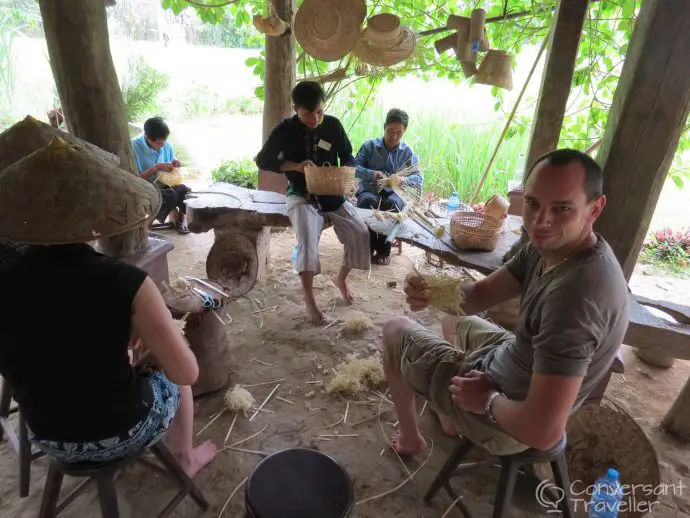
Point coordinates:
[(328, 29), (30, 134), (385, 41), (63, 194)]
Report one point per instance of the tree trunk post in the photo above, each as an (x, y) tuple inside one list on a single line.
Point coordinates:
[(79, 51), (557, 77), (278, 83), (650, 108)]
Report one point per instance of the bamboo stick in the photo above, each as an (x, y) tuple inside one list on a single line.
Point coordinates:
[(510, 119)]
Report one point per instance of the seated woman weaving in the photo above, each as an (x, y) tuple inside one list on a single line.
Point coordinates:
[(68, 362), (378, 159)]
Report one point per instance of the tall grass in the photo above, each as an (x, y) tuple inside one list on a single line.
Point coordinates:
[(452, 155)]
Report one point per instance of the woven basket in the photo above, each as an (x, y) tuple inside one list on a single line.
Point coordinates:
[(497, 206), (605, 436), (170, 178), (475, 231), (329, 180)]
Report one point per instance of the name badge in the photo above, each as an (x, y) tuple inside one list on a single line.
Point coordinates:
[(324, 145)]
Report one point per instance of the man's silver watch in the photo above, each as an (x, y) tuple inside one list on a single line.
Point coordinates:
[(487, 409)]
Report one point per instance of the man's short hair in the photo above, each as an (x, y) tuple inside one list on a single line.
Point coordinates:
[(156, 128), (594, 176), (308, 95), (397, 115)]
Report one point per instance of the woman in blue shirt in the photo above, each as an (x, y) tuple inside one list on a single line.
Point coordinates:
[(378, 158)]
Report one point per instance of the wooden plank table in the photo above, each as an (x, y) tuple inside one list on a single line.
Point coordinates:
[(413, 233), (228, 209)]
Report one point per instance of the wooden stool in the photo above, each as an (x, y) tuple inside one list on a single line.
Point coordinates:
[(103, 473), (510, 465), (299, 483), (206, 334), (22, 444)]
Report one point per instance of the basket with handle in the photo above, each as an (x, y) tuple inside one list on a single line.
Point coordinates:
[(475, 231), (170, 178), (328, 180)]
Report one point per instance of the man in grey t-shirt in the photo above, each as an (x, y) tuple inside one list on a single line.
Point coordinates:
[(508, 392)]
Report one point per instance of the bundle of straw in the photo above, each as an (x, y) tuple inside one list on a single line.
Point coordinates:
[(398, 183), (356, 374), (393, 181), (443, 291), (180, 286)]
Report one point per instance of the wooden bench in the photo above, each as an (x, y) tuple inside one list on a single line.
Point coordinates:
[(242, 220)]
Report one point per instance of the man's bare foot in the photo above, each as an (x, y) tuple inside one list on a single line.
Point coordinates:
[(315, 313), (199, 457), (405, 445), (448, 426), (342, 286)]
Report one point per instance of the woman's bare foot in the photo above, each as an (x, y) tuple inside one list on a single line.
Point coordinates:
[(341, 284), (448, 426), (405, 445), (315, 313), (199, 457)]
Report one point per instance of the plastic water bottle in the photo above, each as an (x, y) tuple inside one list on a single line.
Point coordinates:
[(453, 203), (607, 496), (294, 258)]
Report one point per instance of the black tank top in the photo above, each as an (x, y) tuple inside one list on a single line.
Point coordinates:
[(65, 322)]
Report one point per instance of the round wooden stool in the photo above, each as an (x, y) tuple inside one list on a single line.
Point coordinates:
[(206, 334), (299, 483)]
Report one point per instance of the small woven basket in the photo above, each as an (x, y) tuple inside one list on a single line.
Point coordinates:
[(329, 180), (170, 178), (475, 231)]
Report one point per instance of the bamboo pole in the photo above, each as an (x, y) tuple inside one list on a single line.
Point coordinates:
[(510, 119)]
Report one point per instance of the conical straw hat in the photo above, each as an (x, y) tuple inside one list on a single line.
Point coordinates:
[(29, 135), (496, 70), (385, 41), (327, 29), (62, 194)]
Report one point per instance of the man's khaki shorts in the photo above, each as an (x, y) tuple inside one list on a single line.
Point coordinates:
[(428, 363)]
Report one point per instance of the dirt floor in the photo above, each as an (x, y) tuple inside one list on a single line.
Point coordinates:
[(270, 339)]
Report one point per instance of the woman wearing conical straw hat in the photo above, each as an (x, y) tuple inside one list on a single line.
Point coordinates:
[(68, 362)]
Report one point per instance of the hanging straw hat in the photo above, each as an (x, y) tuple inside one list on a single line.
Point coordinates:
[(496, 70), (62, 194), (385, 41), (327, 29), (360, 6), (29, 135)]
